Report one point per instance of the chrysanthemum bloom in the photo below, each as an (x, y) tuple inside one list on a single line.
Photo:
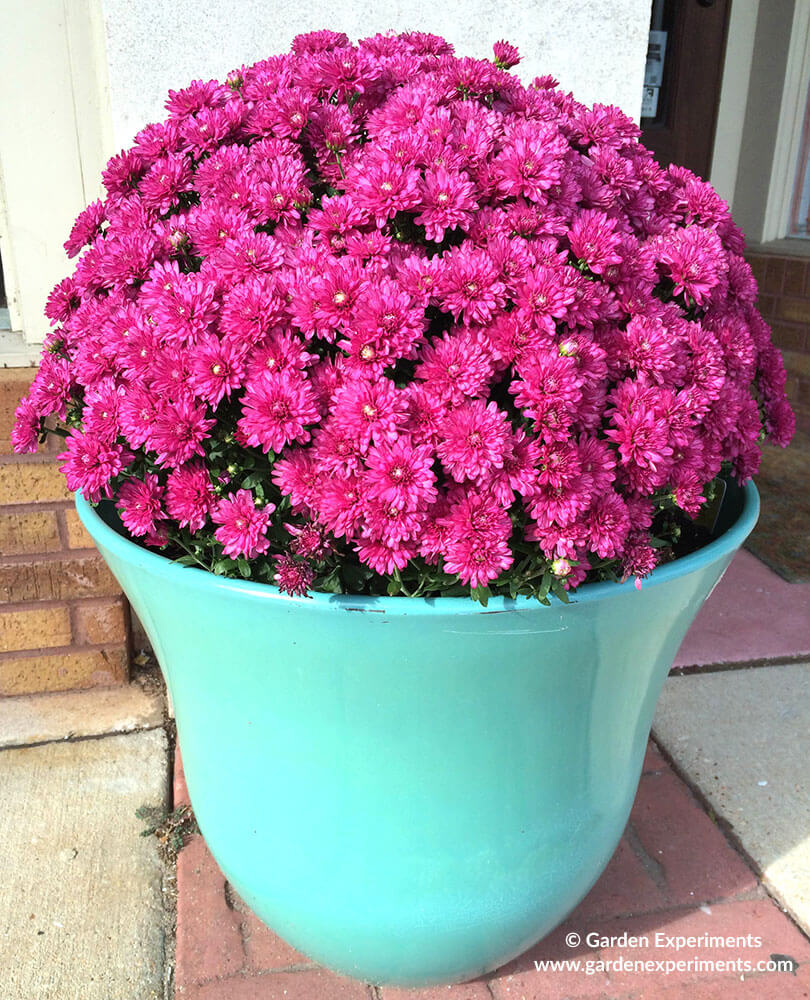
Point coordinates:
[(243, 525), (25, 433), (460, 331), (140, 504), (178, 432), (474, 440), (276, 410), (401, 473), (189, 495), (309, 540), (89, 465), (293, 576)]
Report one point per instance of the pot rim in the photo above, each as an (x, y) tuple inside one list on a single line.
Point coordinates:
[(192, 576)]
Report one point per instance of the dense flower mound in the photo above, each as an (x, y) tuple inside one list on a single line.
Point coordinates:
[(377, 318)]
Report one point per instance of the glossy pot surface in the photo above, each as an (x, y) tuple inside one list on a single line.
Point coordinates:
[(413, 791)]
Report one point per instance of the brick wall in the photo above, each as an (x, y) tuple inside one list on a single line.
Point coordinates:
[(784, 300), (63, 620)]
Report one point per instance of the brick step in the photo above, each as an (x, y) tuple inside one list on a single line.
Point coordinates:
[(14, 383), (35, 672)]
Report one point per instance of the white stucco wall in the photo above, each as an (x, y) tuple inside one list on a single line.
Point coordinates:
[(596, 48)]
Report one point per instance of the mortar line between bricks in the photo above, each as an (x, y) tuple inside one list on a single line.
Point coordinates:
[(38, 458), (230, 902), (70, 738), (62, 529), (35, 506), (24, 558), (55, 602), (731, 837), (247, 973), (650, 864), (73, 647), (716, 668), (49, 602)]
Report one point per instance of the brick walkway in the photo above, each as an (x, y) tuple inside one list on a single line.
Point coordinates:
[(674, 873)]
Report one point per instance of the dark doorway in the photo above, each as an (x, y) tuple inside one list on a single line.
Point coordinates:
[(682, 82)]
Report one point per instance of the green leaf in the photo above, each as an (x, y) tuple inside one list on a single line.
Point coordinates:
[(481, 594), (331, 584), (356, 576), (394, 587), (244, 567)]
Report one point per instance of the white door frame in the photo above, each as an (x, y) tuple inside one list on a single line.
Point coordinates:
[(55, 137)]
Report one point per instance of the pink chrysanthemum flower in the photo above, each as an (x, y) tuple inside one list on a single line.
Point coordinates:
[(178, 432), (384, 557), (475, 439), (594, 240), (469, 286), (89, 464), (548, 392), (401, 474), (448, 201), (506, 55), (25, 432), (51, 388), (293, 576), (607, 523), (250, 310), (531, 161), (166, 180), (384, 188), (189, 495), (276, 411), (216, 369), (455, 367), (309, 540), (370, 410), (442, 316), (695, 260), (243, 526), (477, 561), (140, 504), (639, 558), (340, 505), (86, 227)]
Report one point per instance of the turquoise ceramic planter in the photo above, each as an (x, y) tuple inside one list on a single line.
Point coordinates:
[(413, 791)]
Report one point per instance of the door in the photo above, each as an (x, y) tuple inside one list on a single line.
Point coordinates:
[(682, 80)]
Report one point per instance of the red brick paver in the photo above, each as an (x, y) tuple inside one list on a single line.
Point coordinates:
[(753, 615), (673, 877)]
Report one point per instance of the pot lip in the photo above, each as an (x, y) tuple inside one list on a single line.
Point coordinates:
[(189, 576)]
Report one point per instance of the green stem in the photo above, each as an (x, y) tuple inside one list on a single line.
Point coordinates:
[(193, 555), (340, 165)]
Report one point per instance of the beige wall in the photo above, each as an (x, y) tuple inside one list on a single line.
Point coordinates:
[(597, 48)]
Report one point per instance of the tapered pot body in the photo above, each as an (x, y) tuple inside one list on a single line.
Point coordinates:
[(413, 791)]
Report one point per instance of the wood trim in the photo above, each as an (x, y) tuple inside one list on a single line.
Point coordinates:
[(790, 129), (728, 136), (55, 135)]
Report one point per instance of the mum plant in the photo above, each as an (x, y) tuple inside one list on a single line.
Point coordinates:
[(377, 319)]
